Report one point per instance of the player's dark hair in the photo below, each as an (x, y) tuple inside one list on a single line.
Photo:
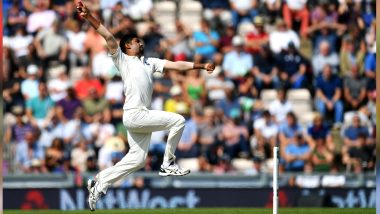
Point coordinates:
[(127, 38), (292, 115), (266, 113), (283, 89)]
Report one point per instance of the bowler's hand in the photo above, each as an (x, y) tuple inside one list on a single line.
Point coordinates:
[(82, 10), (210, 67)]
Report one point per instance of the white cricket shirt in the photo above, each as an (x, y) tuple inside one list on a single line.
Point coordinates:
[(137, 75)]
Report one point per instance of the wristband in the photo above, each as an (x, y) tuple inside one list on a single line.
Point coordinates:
[(198, 66)]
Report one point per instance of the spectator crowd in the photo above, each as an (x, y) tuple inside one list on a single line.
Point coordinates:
[(63, 97)]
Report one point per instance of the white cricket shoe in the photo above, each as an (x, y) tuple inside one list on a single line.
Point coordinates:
[(173, 169), (94, 195)]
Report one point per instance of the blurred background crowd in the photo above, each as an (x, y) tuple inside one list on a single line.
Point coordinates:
[(295, 73)]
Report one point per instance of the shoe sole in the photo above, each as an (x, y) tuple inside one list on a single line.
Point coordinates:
[(166, 174)]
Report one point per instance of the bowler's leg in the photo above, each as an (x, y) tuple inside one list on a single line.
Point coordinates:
[(153, 120), (133, 161), (147, 121)]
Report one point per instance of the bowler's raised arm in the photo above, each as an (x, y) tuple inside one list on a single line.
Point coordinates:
[(86, 14)]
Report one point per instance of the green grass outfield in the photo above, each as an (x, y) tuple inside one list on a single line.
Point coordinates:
[(205, 211)]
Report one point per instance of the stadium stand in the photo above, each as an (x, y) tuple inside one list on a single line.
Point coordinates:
[(63, 97)]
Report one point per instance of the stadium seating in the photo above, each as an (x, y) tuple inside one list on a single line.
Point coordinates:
[(299, 95), (242, 164), (306, 118), (244, 28), (267, 96), (189, 163), (190, 14), (164, 14), (142, 28), (302, 104)]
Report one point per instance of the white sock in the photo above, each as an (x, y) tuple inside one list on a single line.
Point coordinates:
[(165, 164)]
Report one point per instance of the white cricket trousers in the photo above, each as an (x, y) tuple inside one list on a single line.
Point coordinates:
[(140, 124)]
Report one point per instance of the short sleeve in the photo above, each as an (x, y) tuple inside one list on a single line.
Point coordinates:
[(250, 61), (156, 64), (226, 62), (196, 36), (346, 133), (365, 132), (41, 34), (22, 86), (370, 63), (193, 128), (327, 131), (29, 104), (346, 82), (319, 83), (29, 39), (338, 82), (282, 128), (51, 102), (363, 83), (257, 124), (18, 154), (272, 110), (309, 130), (300, 130), (215, 35), (117, 58)]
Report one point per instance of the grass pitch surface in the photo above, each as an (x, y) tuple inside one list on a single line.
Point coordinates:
[(206, 211)]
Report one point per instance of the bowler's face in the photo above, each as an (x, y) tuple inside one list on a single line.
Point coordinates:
[(136, 45)]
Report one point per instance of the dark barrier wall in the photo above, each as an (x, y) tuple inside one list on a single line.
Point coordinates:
[(73, 199)]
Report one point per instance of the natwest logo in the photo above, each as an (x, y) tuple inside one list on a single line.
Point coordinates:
[(34, 199), (134, 199), (282, 199)]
